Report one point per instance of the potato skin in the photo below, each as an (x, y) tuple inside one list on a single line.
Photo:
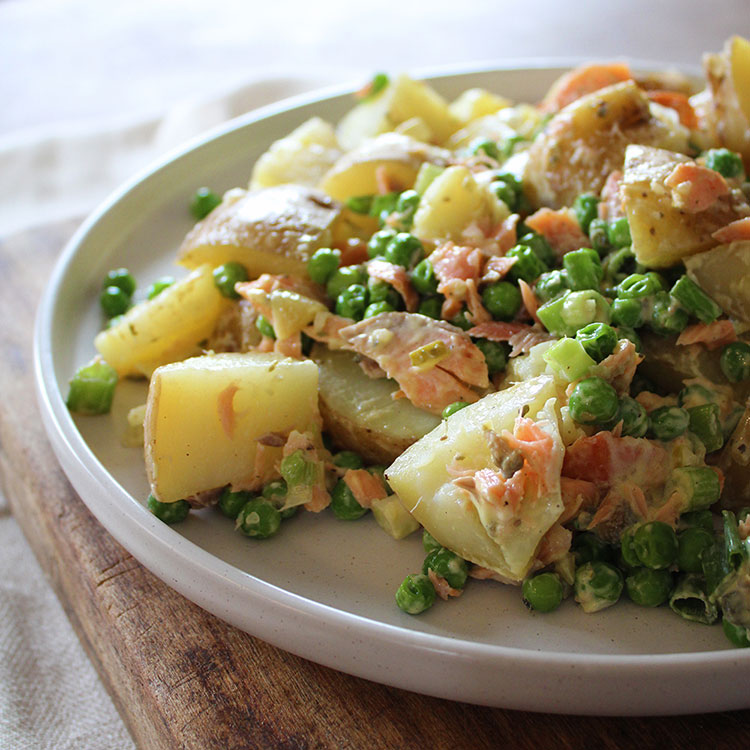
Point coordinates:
[(586, 141), (273, 230)]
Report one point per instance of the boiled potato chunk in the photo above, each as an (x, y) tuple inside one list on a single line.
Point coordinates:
[(164, 329), (726, 102), (392, 517), (475, 103), (302, 157), (360, 414), (453, 201), (662, 232), (274, 230), (393, 155), (724, 274), (205, 415), (401, 100), (422, 480), (586, 141)]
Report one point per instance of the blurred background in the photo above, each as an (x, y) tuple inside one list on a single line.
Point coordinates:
[(92, 92)]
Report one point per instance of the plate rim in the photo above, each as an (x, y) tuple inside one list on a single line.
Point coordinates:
[(71, 450)]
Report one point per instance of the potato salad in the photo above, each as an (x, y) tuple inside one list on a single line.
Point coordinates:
[(521, 330)]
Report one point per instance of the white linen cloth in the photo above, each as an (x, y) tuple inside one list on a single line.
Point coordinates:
[(93, 92)]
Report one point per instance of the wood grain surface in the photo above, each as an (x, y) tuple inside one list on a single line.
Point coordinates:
[(180, 677)]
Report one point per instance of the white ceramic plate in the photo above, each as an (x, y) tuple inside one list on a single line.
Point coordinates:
[(324, 588)]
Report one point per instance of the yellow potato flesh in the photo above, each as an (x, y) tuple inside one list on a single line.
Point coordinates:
[(165, 329), (360, 413), (274, 230), (393, 155), (205, 415), (475, 103), (740, 63), (421, 479), (663, 233)]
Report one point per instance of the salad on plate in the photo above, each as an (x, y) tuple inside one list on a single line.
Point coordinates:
[(521, 329)]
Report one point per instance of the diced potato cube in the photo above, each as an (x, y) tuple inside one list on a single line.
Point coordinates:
[(422, 480), (452, 201), (274, 230), (302, 157), (165, 329), (662, 232), (401, 100), (393, 518), (205, 415), (475, 103)]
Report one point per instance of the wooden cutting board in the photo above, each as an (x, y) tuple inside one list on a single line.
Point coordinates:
[(180, 677)]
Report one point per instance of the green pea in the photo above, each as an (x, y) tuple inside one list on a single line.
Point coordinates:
[(593, 401), (725, 162), (92, 388), (597, 585), (348, 460), (343, 503), (227, 275), (495, 354), (121, 278), (505, 192), (431, 307), (204, 201), (543, 592), (429, 543), (656, 545), (382, 291), (705, 423), (735, 361), (352, 302), (634, 418), (598, 340), (588, 547), (407, 204), (599, 236), (276, 492), (461, 321), (415, 594), (736, 634), (542, 249), (502, 300), (586, 209), (486, 147), (551, 284), (343, 278), (528, 266), (649, 588), (696, 395), (169, 512), (404, 250), (667, 317), (158, 286), (114, 301), (691, 543), (423, 277), (259, 519), (265, 327), (323, 264), (360, 204), (627, 548), (453, 408), (383, 206), (669, 422), (379, 241), (231, 503), (447, 565), (512, 180), (376, 308)]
